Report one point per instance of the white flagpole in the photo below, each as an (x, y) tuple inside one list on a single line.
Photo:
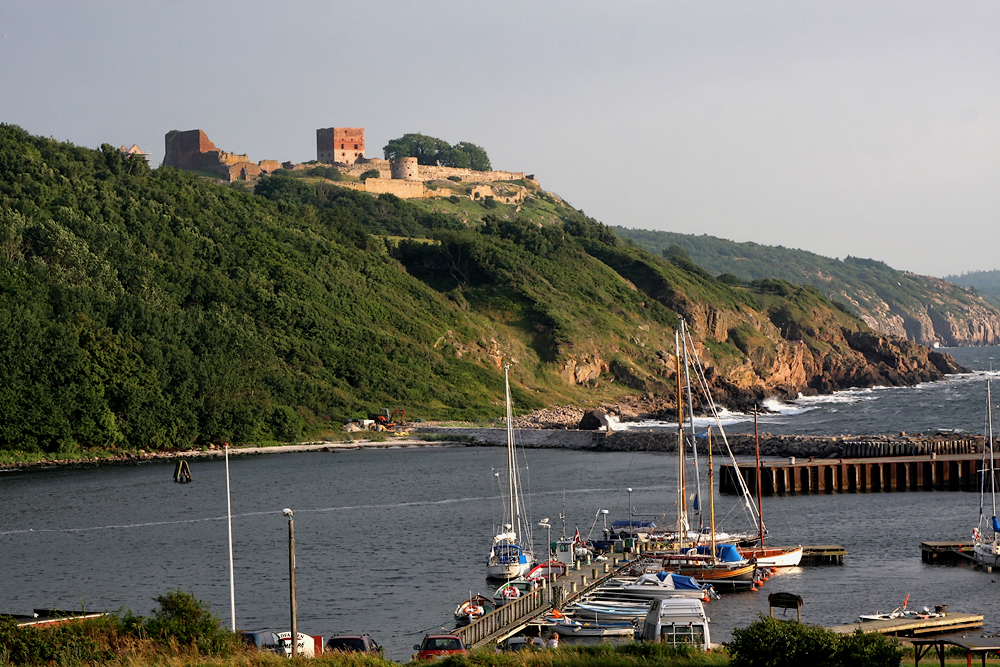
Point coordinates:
[(229, 513)]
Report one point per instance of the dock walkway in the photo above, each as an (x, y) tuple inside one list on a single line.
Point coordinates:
[(516, 615)]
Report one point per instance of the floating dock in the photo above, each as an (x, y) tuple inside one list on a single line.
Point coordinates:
[(956, 472), (824, 554), (914, 627), (946, 552)]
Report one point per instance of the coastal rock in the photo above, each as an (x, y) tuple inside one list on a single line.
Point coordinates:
[(593, 420)]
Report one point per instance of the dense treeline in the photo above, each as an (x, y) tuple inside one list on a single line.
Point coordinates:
[(149, 309)]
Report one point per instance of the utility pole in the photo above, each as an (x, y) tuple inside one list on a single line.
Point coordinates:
[(291, 581)]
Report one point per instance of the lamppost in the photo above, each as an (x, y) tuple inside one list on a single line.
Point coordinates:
[(291, 580), (605, 513), (631, 534), (544, 523)]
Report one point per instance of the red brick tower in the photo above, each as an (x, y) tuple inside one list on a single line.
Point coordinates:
[(340, 144)]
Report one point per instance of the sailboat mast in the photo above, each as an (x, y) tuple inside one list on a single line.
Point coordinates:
[(511, 462), (989, 418), (711, 493), (760, 506), (685, 339), (681, 488)]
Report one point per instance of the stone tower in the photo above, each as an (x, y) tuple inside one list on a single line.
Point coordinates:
[(406, 168), (345, 145)]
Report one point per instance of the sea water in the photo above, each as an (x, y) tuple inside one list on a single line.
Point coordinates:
[(389, 541)]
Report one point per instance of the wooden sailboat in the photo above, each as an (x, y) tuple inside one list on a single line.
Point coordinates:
[(768, 556), (508, 558)]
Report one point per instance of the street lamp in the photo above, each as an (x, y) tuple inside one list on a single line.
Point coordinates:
[(544, 523), (629, 489), (291, 580), (605, 513)]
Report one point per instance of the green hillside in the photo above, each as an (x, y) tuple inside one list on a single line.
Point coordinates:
[(986, 283), (922, 308), (154, 309)]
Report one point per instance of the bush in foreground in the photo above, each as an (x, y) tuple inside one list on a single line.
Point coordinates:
[(772, 643)]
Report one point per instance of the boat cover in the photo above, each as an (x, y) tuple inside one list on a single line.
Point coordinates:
[(996, 525), (680, 581), (634, 524), (727, 553)]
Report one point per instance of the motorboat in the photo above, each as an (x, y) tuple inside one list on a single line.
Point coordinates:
[(543, 571), (513, 589), (596, 628), (772, 556), (660, 585)]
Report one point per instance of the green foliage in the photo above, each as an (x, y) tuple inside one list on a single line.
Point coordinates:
[(455, 179), (371, 173), (433, 151), (869, 283), (769, 642), (187, 621), (67, 645), (329, 173), (985, 283)]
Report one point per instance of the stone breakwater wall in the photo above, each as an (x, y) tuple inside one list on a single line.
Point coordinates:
[(799, 445), (533, 437)]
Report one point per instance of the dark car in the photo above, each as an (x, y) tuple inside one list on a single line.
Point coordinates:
[(512, 644), (353, 644), (262, 640), (439, 646)]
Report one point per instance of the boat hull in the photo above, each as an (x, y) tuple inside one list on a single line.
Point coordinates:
[(773, 556)]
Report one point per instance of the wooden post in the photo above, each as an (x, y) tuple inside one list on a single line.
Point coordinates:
[(291, 584)]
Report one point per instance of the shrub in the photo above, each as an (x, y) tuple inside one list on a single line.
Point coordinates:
[(769, 642), (453, 199), (371, 173), (455, 178), (188, 621)]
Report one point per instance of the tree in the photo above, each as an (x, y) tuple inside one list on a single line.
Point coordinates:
[(433, 151), (427, 150)]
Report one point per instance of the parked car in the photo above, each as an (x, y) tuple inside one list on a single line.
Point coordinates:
[(353, 644), (262, 640), (678, 622), (439, 646), (512, 644)]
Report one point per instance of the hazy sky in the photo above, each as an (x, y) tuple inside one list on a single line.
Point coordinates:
[(846, 128)]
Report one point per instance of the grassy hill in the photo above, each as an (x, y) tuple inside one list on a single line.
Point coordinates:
[(923, 308), (152, 309), (985, 283)]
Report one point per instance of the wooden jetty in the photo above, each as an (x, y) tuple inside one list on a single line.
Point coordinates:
[(511, 618), (824, 554), (946, 552), (914, 627), (957, 472)]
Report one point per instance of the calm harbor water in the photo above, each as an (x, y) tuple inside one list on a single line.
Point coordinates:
[(388, 541)]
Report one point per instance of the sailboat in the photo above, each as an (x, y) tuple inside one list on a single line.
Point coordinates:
[(763, 555), (718, 564), (508, 557), (986, 536)]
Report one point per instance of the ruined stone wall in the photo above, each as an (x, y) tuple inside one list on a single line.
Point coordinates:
[(401, 188), (184, 148), (406, 168), (428, 173)]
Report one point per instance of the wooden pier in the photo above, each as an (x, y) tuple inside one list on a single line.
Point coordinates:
[(511, 618), (956, 472), (914, 627), (946, 552), (824, 554)]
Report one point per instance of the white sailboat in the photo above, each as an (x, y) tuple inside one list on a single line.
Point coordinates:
[(508, 557), (986, 536)]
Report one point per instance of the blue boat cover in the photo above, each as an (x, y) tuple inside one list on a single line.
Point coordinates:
[(727, 553), (680, 581), (996, 525)]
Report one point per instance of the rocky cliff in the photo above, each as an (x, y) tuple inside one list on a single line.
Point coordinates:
[(924, 309)]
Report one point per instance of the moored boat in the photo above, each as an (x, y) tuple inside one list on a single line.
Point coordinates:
[(512, 590), (772, 556), (660, 585), (474, 608)]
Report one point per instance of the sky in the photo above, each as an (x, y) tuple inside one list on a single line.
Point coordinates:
[(861, 128)]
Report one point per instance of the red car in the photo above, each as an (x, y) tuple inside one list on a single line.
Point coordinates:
[(439, 646)]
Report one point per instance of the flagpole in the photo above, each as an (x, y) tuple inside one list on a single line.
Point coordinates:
[(229, 517)]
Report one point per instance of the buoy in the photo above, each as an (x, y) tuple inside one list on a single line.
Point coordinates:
[(182, 472)]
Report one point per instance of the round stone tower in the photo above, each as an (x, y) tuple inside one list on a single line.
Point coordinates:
[(406, 168)]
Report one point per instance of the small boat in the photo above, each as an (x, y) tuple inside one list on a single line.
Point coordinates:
[(596, 629), (901, 612), (986, 535), (772, 556), (606, 610), (475, 607), (542, 571), (659, 585), (512, 590)]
